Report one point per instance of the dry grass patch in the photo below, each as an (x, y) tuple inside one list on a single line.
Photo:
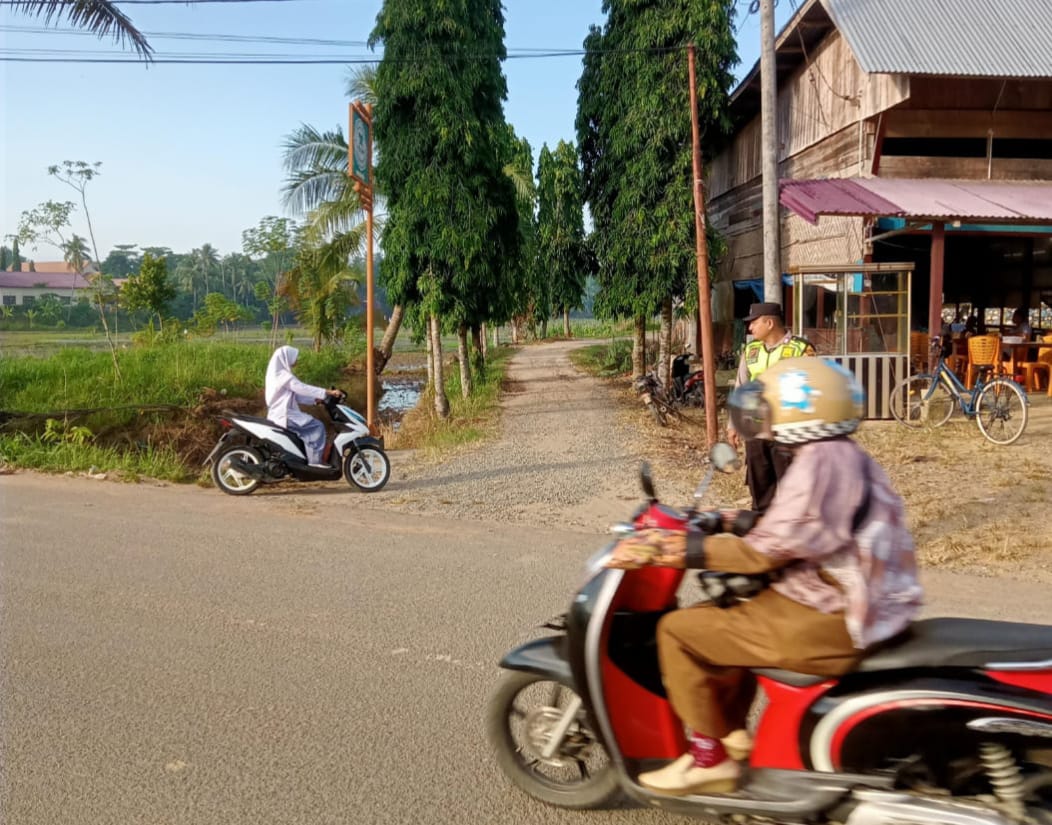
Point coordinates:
[(973, 506)]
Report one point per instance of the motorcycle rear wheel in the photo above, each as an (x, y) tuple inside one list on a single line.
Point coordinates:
[(228, 478), (522, 713), (368, 469)]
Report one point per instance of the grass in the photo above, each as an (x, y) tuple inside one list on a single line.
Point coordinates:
[(69, 411), (470, 419)]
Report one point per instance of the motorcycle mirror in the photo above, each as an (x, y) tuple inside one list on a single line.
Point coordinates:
[(646, 481), (724, 457)]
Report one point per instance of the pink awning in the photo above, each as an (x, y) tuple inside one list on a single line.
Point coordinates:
[(933, 199)]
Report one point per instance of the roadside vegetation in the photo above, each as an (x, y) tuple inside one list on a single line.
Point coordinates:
[(68, 412)]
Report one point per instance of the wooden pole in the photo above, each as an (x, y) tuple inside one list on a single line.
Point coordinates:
[(708, 356), (772, 265), (938, 255)]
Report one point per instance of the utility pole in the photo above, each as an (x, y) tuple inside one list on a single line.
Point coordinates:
[(708, 357), (772, 269), (360, 169)]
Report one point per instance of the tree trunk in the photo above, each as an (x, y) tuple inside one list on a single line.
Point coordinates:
[(544, 328), (465, 362), (383, 354), (478, 359), (566, 322), (639, 347), (664, 361), (441, 402), (483, 340), (430, 357), (496, 334)]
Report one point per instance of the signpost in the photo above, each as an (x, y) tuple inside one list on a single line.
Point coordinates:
[(360, 169)]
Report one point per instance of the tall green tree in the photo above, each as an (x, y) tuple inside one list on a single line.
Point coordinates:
[(634, 134), (149, 289), (560, 219), (530, 287), (122, 261), (439, 122), (274, 241)]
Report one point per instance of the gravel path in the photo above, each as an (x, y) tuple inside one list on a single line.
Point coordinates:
[(566, 456)]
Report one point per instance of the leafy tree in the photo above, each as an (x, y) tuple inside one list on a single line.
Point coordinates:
[(634, 133), (5, 258), (530, 298), (100, 17), (122, 261), (320, 287), (16, 256), (451, 219), (50, 307), (218, 309), (564, 257), (149, 289), (76, 254), (273, 240)]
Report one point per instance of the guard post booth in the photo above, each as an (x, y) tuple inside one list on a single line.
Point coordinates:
[(859, 315)]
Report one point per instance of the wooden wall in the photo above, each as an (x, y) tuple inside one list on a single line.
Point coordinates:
[(827, 94)]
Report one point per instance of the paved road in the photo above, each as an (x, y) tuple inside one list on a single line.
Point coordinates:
[(172, 655)]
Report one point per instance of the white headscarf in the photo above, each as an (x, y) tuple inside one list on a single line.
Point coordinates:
[(279, 371)]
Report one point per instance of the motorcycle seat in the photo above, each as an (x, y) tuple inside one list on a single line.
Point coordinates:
[(966, 643), (961, 643)]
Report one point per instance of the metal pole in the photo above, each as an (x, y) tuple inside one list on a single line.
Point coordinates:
[(370, 371), (708, 356), (772, 275)]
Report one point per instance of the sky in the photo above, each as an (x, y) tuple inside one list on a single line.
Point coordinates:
[(192, 154)]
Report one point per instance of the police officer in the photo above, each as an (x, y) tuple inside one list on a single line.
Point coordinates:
[(765, 461)]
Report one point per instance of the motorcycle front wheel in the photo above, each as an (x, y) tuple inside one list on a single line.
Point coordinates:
[(228, 478), (367, 469), (523, 713)]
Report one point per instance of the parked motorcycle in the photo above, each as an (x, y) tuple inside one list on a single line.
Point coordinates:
[(253, 451), (688, 387), (655, 399), (949, 724)]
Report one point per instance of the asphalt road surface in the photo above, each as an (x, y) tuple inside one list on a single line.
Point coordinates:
[(172, 655)]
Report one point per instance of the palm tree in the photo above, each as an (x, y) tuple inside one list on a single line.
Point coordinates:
[(101, 17)]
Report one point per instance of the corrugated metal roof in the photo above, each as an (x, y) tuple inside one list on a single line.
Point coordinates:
[(985, 200), (972, 38), (49, 280)]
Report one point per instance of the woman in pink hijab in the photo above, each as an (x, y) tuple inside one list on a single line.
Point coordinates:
[(284, 393)]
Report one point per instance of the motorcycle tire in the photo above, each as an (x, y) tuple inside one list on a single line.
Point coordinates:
[(368, 469), (227, 478), (566, 780)]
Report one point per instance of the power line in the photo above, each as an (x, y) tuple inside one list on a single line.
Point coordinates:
[(228, 58), (232, 38)]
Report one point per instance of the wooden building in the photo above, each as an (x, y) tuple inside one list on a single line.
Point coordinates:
[(908, 130)]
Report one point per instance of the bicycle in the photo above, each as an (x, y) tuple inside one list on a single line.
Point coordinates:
[(999, 405)]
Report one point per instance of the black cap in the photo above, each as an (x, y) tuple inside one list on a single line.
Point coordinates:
[(757, 310)]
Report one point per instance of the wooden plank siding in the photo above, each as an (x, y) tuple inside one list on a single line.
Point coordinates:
[(822, 98)]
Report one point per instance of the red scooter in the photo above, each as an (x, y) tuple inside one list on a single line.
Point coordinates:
[(950, 724)]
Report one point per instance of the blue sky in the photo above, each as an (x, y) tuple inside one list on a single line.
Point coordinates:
[(192, 154)]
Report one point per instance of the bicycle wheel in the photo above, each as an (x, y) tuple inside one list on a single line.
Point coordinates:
[(915, 404), (1002, 411)]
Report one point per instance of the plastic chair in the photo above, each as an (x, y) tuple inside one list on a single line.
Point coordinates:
[(1033, 370), (983, 351), (1044, 362), (918, 351)]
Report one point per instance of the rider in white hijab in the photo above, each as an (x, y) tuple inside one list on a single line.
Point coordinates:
[(284, 393)]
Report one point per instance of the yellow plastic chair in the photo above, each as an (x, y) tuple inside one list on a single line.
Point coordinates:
[(983, 351)]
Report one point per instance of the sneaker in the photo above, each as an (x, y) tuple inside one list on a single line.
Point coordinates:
[(683, 777)]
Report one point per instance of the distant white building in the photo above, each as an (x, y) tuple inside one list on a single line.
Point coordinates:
[(46, 278)]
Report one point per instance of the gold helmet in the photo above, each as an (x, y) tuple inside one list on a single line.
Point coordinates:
[(798, 400)]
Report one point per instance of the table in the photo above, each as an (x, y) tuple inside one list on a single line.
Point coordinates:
[(1019, 353)]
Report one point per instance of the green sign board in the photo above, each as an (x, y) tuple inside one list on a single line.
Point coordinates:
[(361, 140)]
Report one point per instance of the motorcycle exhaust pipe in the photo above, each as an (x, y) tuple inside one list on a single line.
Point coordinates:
[(1004, 724)]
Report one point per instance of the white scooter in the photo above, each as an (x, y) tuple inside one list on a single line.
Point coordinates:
[(253, 451)]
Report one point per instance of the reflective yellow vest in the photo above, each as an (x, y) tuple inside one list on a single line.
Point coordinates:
[(757, 357)]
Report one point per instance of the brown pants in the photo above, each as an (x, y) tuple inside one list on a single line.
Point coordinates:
[(705, 652)]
